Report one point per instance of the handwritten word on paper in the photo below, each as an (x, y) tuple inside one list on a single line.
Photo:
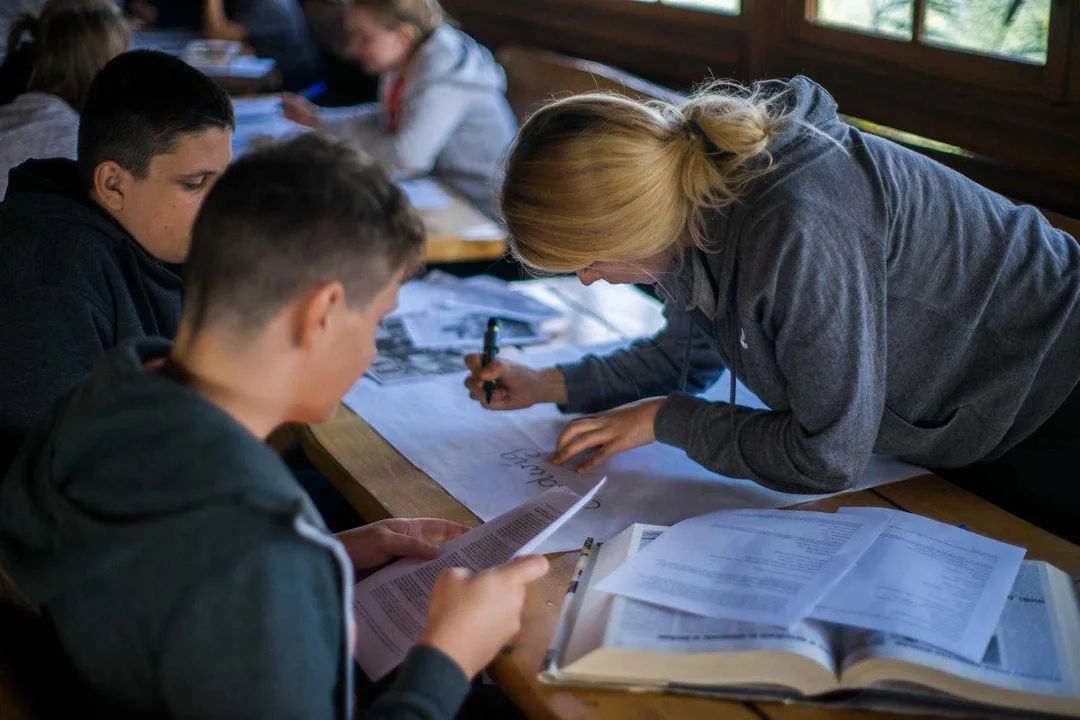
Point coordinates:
[(528, 462)]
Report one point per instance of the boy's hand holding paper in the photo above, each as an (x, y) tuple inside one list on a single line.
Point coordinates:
[(442, 603), (472, 615), (380, 542)]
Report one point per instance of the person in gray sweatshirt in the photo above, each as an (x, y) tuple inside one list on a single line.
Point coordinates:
[(185, 572), (442, 107), (875, 300), (49, 64)]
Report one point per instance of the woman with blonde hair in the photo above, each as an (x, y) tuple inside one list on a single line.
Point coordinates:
[(46, 75), (875, 300), (442, 105)]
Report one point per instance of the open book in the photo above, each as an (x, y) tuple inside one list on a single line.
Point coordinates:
[(1032, 664)]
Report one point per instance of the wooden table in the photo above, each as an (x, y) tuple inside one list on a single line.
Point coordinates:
[(173, 43), (381, 483), (447, 226)]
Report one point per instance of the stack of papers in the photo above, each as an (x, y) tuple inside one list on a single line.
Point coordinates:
[(424, 194), (483, 232), (222, 58), (258, 107), (869, 568), (442, 318), (260, 119), (171, 42), (487, 294)]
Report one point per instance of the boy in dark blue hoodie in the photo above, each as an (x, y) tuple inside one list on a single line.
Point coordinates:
[(90, 249), (184, 570)]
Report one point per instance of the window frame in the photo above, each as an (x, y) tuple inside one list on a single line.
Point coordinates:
[(672, 13), (987, 71)]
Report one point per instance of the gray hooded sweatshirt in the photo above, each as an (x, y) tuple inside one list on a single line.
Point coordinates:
[(875, 300), (455, 122), (35, 125)]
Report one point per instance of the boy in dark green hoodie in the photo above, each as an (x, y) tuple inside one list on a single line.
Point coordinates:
[(184, 570)]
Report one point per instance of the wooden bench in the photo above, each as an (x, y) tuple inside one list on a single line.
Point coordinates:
[(534, 77)]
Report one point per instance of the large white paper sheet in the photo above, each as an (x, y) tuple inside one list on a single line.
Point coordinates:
[(391, 605), (493, 461), (763, 566), (257, 107), (926, 580)]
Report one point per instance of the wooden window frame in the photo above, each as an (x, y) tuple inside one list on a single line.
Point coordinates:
[(1072, 94), (659, 9), (987, 71)]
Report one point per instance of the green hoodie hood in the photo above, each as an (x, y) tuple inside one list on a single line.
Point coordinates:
[(85, 491)]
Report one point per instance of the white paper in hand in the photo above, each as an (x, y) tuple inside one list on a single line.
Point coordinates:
[(390, 606)]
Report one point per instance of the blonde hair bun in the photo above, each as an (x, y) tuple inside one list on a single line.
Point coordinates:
[(601, 176)]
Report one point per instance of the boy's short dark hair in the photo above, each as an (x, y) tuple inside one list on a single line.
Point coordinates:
[(137, 106), (288, 218)]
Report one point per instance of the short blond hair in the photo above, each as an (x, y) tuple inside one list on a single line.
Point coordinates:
[(424, 15), (604, 177)]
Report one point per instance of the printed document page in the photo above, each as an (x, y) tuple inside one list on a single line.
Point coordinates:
[(928, 581), (391, 605), (637, 625), (1025, 652), (764, 566)]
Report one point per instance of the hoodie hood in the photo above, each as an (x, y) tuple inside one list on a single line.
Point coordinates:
[(711, 287), (124, 455), (52, 176), (810, 115), (451, 56), (809, 108), (50, 188)]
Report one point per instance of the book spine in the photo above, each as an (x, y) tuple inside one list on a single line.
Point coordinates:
[(562, 624)]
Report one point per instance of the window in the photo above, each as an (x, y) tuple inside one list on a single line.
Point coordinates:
[(891, 18), (728, 7), (1013, 29), (1017, 29)]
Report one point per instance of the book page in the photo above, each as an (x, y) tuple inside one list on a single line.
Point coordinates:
[(390, 606), (926, 580), (764, 566), (637, 625), (1024, 653)]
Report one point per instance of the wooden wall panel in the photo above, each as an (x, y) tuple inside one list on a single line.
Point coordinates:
[(659, 43), (1032, 139)]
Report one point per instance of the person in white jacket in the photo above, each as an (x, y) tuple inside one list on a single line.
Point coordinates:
[(442, 106)]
